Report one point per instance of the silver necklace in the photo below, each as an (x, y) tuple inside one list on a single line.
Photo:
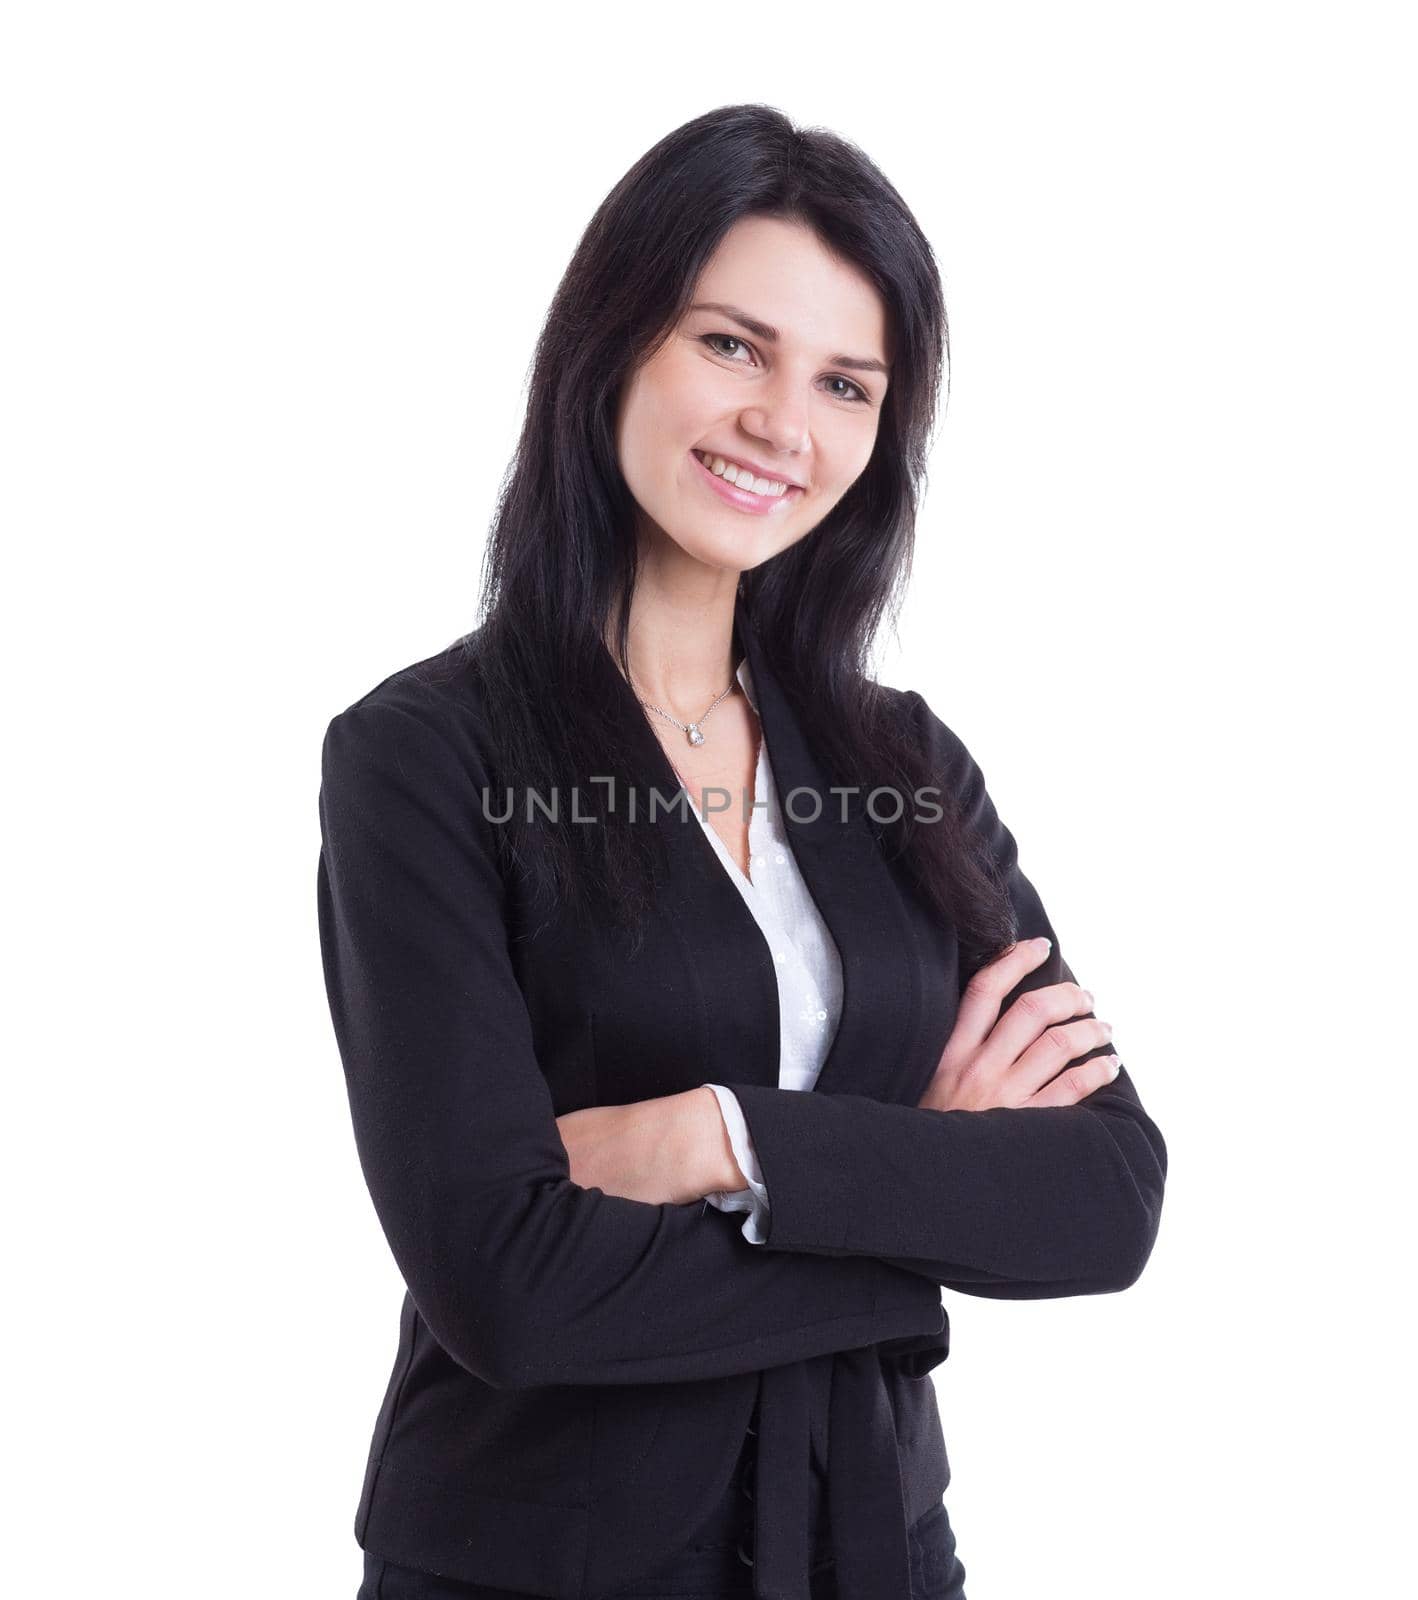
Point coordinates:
[(691, 730)]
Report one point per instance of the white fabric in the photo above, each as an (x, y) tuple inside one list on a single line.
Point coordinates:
[(804, 956)]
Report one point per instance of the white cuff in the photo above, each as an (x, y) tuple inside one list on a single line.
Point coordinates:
[(753, 1199)]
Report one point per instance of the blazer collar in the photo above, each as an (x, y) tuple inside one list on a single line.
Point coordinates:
[(840, 863)]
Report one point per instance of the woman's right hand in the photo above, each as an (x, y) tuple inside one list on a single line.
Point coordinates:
[(1015, 1059)]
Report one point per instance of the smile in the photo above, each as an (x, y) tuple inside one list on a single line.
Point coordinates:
[(738, 487)]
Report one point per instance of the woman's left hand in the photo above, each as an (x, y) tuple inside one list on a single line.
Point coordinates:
[(659, 1151)]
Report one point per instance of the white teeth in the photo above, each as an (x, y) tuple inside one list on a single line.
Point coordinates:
[(742, 478)]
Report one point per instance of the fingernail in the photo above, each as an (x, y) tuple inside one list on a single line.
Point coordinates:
[(1048, 944), (1117, 1068)]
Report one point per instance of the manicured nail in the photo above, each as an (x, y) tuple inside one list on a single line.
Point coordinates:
[(1048, 944), (1117, 1068)]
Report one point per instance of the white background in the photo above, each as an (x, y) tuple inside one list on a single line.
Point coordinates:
[(272, 278)]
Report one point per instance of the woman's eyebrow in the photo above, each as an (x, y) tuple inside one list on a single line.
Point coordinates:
[(769, 335)]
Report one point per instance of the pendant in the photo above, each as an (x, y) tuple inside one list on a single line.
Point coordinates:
[(694, 735)]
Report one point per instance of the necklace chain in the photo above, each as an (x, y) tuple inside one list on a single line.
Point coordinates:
[(691, 730)]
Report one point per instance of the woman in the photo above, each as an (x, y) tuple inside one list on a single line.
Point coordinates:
[(677, 1118)]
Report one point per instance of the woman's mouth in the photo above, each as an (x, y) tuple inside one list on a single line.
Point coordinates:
[(762, 496)]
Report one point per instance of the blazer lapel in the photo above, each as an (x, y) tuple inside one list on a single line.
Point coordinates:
[(856, 894), (726, 958), (850, 884)]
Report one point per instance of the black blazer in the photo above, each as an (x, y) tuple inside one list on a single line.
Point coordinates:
[(576, 1371)]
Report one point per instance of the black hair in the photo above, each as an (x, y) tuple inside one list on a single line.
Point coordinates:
[(561, 560)]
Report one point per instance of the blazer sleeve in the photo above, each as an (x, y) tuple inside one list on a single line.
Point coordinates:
[(524, 1277), (1008, 1203), (754, 1198)]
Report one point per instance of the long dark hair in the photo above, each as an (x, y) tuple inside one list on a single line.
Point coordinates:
[(561, 560)]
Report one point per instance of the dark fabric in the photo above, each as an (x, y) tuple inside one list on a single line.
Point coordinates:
[(699, 1573), (715, 1564), (575, 1371)]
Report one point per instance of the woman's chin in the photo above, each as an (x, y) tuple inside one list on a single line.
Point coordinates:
[(740, 543)]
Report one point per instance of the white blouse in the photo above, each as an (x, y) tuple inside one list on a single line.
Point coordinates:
[(807, 963)]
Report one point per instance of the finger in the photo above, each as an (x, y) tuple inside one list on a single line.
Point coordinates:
[(1028, 1018), (980, 1002), (1076, 1083), (1055, 1049)]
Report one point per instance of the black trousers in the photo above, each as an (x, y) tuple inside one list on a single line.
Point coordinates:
[(716, 1563)]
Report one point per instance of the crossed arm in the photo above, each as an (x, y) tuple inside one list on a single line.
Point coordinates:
[(1025, 1195), (525, 1276)]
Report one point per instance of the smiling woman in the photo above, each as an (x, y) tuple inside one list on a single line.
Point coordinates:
[(770, 399), (579, 1036)]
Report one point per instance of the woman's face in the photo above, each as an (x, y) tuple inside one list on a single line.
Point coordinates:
[(789, 383)]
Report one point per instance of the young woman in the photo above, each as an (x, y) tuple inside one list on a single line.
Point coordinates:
[(697, 1020)]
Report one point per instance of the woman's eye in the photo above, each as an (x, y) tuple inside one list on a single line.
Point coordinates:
[(857, 396), (729, 338)]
